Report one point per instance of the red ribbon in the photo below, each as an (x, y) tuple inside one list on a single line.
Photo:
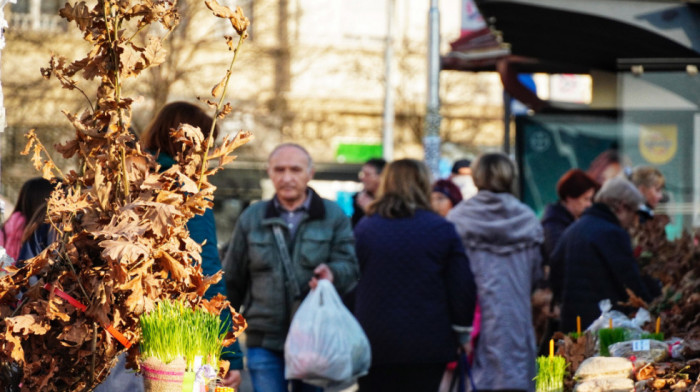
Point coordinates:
[(116, 334), (65, 296)]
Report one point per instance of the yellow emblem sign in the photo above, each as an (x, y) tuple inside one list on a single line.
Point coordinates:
[(658, 143)]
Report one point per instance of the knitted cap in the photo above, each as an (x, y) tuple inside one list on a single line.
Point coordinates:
[(574, 183), (449, 189)]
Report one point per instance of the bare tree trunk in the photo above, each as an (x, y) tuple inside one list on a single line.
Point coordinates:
[(282, 61), (160, 89)]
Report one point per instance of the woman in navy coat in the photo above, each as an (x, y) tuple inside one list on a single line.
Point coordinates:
[(415, 288)]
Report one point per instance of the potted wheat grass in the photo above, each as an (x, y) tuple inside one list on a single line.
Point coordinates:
[(180, 348)]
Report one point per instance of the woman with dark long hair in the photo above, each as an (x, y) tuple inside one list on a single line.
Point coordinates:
[(156, 137), (32, 197), (415, 288), (158, 140)]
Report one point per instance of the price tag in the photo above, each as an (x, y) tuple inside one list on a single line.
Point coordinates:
[(640, 345)]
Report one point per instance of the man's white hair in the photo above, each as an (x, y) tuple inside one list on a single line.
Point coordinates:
[(619, 190), (294, 145)]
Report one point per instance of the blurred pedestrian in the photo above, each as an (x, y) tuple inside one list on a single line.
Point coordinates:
[(37, 236), (650, 182), (462, 177), (594, 260), (369, 175), (158, 140), (279, 249), (32, 197), (575, 190), (444, 196), (415, 284), (651, 231), (502, 238), (608, 164)]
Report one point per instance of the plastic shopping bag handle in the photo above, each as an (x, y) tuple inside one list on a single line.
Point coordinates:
[(327, 293)]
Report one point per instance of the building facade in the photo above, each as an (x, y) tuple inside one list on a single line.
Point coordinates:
[(312, 72)]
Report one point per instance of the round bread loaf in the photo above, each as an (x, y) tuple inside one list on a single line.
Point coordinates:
[(599, 367), (605, 384)]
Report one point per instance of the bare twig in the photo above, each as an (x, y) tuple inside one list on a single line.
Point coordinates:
[(210, 139), (93, 348), (75, 86), (125, 173)]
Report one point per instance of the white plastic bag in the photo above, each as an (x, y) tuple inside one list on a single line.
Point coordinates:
[(325, 346), (633, 326), (5, 261)]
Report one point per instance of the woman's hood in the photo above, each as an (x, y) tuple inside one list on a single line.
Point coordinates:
[(496, 219)]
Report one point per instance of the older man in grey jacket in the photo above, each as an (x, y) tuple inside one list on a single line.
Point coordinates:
[(280, 247)]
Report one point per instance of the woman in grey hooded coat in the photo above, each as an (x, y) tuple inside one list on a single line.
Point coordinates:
[(502, 238)]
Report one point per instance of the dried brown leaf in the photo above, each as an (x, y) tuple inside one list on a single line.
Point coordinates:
[(229, 144), (76, 66), (12, 346), (131, 60), (123, 251), (102, 188), (135, 300), (187, 184), (225, 110), (75, 334), (95, 67), (209, 103), (219, 87), (173, 266), (208, 281), (162, 218), (68, 149), (80, 14), (27, 324), (219, 10), (239, 22), (154, 54)]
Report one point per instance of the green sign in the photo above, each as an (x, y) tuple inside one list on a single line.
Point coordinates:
[(357, 152)]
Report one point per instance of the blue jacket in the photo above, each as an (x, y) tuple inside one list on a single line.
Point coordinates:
[(415, 284), (40, 239), (203, 227), (594, 261)]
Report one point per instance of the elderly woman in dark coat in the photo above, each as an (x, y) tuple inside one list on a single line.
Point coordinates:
[(594, 261), (575, 190), (415, 284), (502, 238)]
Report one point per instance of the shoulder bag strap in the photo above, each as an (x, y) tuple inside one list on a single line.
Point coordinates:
[(287, 261)]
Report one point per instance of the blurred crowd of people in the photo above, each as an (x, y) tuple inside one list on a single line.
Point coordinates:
[(430, 269)]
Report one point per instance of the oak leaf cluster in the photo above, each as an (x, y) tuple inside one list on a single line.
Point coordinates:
[(119, 221)]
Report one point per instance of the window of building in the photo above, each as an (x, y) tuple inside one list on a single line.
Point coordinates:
[(37, 15)]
